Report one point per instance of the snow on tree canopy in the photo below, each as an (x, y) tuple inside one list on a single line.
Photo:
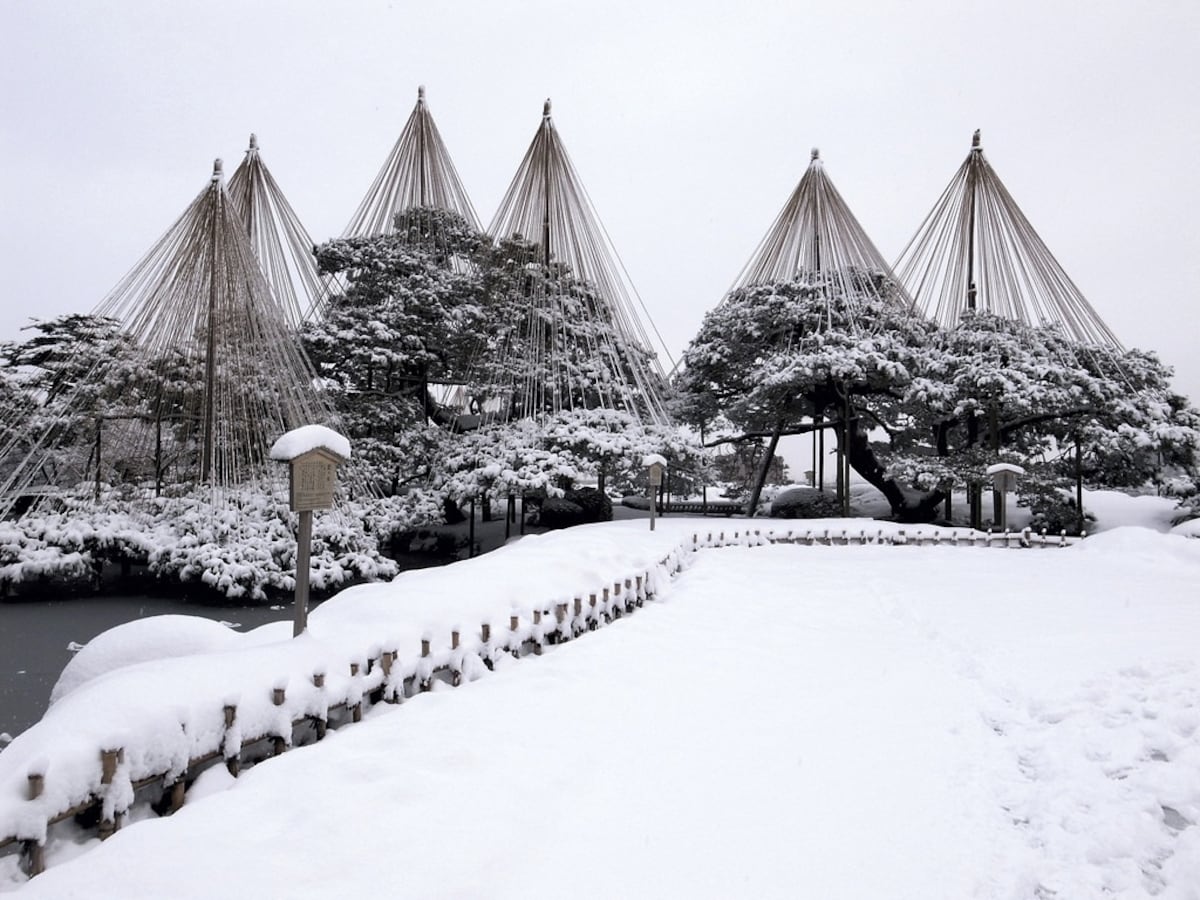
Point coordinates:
[(301, 440)]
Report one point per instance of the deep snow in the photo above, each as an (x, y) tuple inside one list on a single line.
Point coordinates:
[(781, 721)]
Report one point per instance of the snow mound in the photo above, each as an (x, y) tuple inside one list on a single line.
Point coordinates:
[(1110, 507), (155, 637), (1139, 542), (1189, 529)]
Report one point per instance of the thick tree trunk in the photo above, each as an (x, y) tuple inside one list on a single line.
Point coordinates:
[(906, 507), (764, 468)]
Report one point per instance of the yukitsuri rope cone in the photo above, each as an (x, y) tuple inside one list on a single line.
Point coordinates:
[(816, 238), (418, 174), (214, 377), (281, 243), (977, 251), (575, 339)]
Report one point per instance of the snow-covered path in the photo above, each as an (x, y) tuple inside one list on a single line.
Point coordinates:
[(787, 721)]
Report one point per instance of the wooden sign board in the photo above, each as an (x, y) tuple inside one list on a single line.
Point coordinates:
[(1004, 482), (313, 479), (656, 474)]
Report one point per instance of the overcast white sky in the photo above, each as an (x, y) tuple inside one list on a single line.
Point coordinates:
[(689, 122)]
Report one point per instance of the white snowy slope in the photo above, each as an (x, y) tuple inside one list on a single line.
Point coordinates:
[(785, 721)]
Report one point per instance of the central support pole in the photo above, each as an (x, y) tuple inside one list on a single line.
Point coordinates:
[(303, 551), (423, 200), (972, 185), (546, 184), (210, 352)]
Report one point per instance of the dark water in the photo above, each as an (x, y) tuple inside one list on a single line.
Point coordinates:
[(34, 637)]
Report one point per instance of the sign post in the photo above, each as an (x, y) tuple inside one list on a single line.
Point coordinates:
[(312, 480), (655, 465), (1004, 479)]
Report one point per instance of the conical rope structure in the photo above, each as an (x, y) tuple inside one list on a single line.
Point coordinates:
[(816, 248), (977, 251), (215, 374), (281, 243), (418, 173), (574, 338), (817, 238)]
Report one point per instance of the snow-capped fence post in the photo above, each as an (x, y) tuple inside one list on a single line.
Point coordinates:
[(593, 612), (537, 632), (231, 742), (110, 815), (33, 852), (386, 662), (313, 453), (320, 722), (279, 742), (457, 662), (485, 637), (356, 709), (514, 643), (426, 683)]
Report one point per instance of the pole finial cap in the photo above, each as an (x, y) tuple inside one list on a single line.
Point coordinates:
[(546, 109), (975, 140), (218, 170), (816, 154), (253, 141), (420, 93)]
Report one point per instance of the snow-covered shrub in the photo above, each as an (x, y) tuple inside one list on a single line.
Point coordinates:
[(1053, 509), (595, 505), (805, 503), (558, 512)]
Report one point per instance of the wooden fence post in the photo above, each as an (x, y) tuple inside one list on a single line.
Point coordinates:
[(485, 632), (427, 683), (387, 660), (233, 755), (278, 742), (356, 710), (320, 723), (33, 853), (109, 760)]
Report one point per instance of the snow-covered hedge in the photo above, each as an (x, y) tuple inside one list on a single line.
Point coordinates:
[(242, 548)]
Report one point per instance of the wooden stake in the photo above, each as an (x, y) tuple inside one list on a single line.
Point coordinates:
[(175, 802), (108, 770), (34, 857), (232, 762)]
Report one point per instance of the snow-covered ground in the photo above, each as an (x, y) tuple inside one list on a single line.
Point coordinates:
[(781, 721)]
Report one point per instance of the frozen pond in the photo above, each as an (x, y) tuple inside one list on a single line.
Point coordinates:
[(35, 637)]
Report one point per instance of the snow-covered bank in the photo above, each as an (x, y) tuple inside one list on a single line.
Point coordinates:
[(834, 721)]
